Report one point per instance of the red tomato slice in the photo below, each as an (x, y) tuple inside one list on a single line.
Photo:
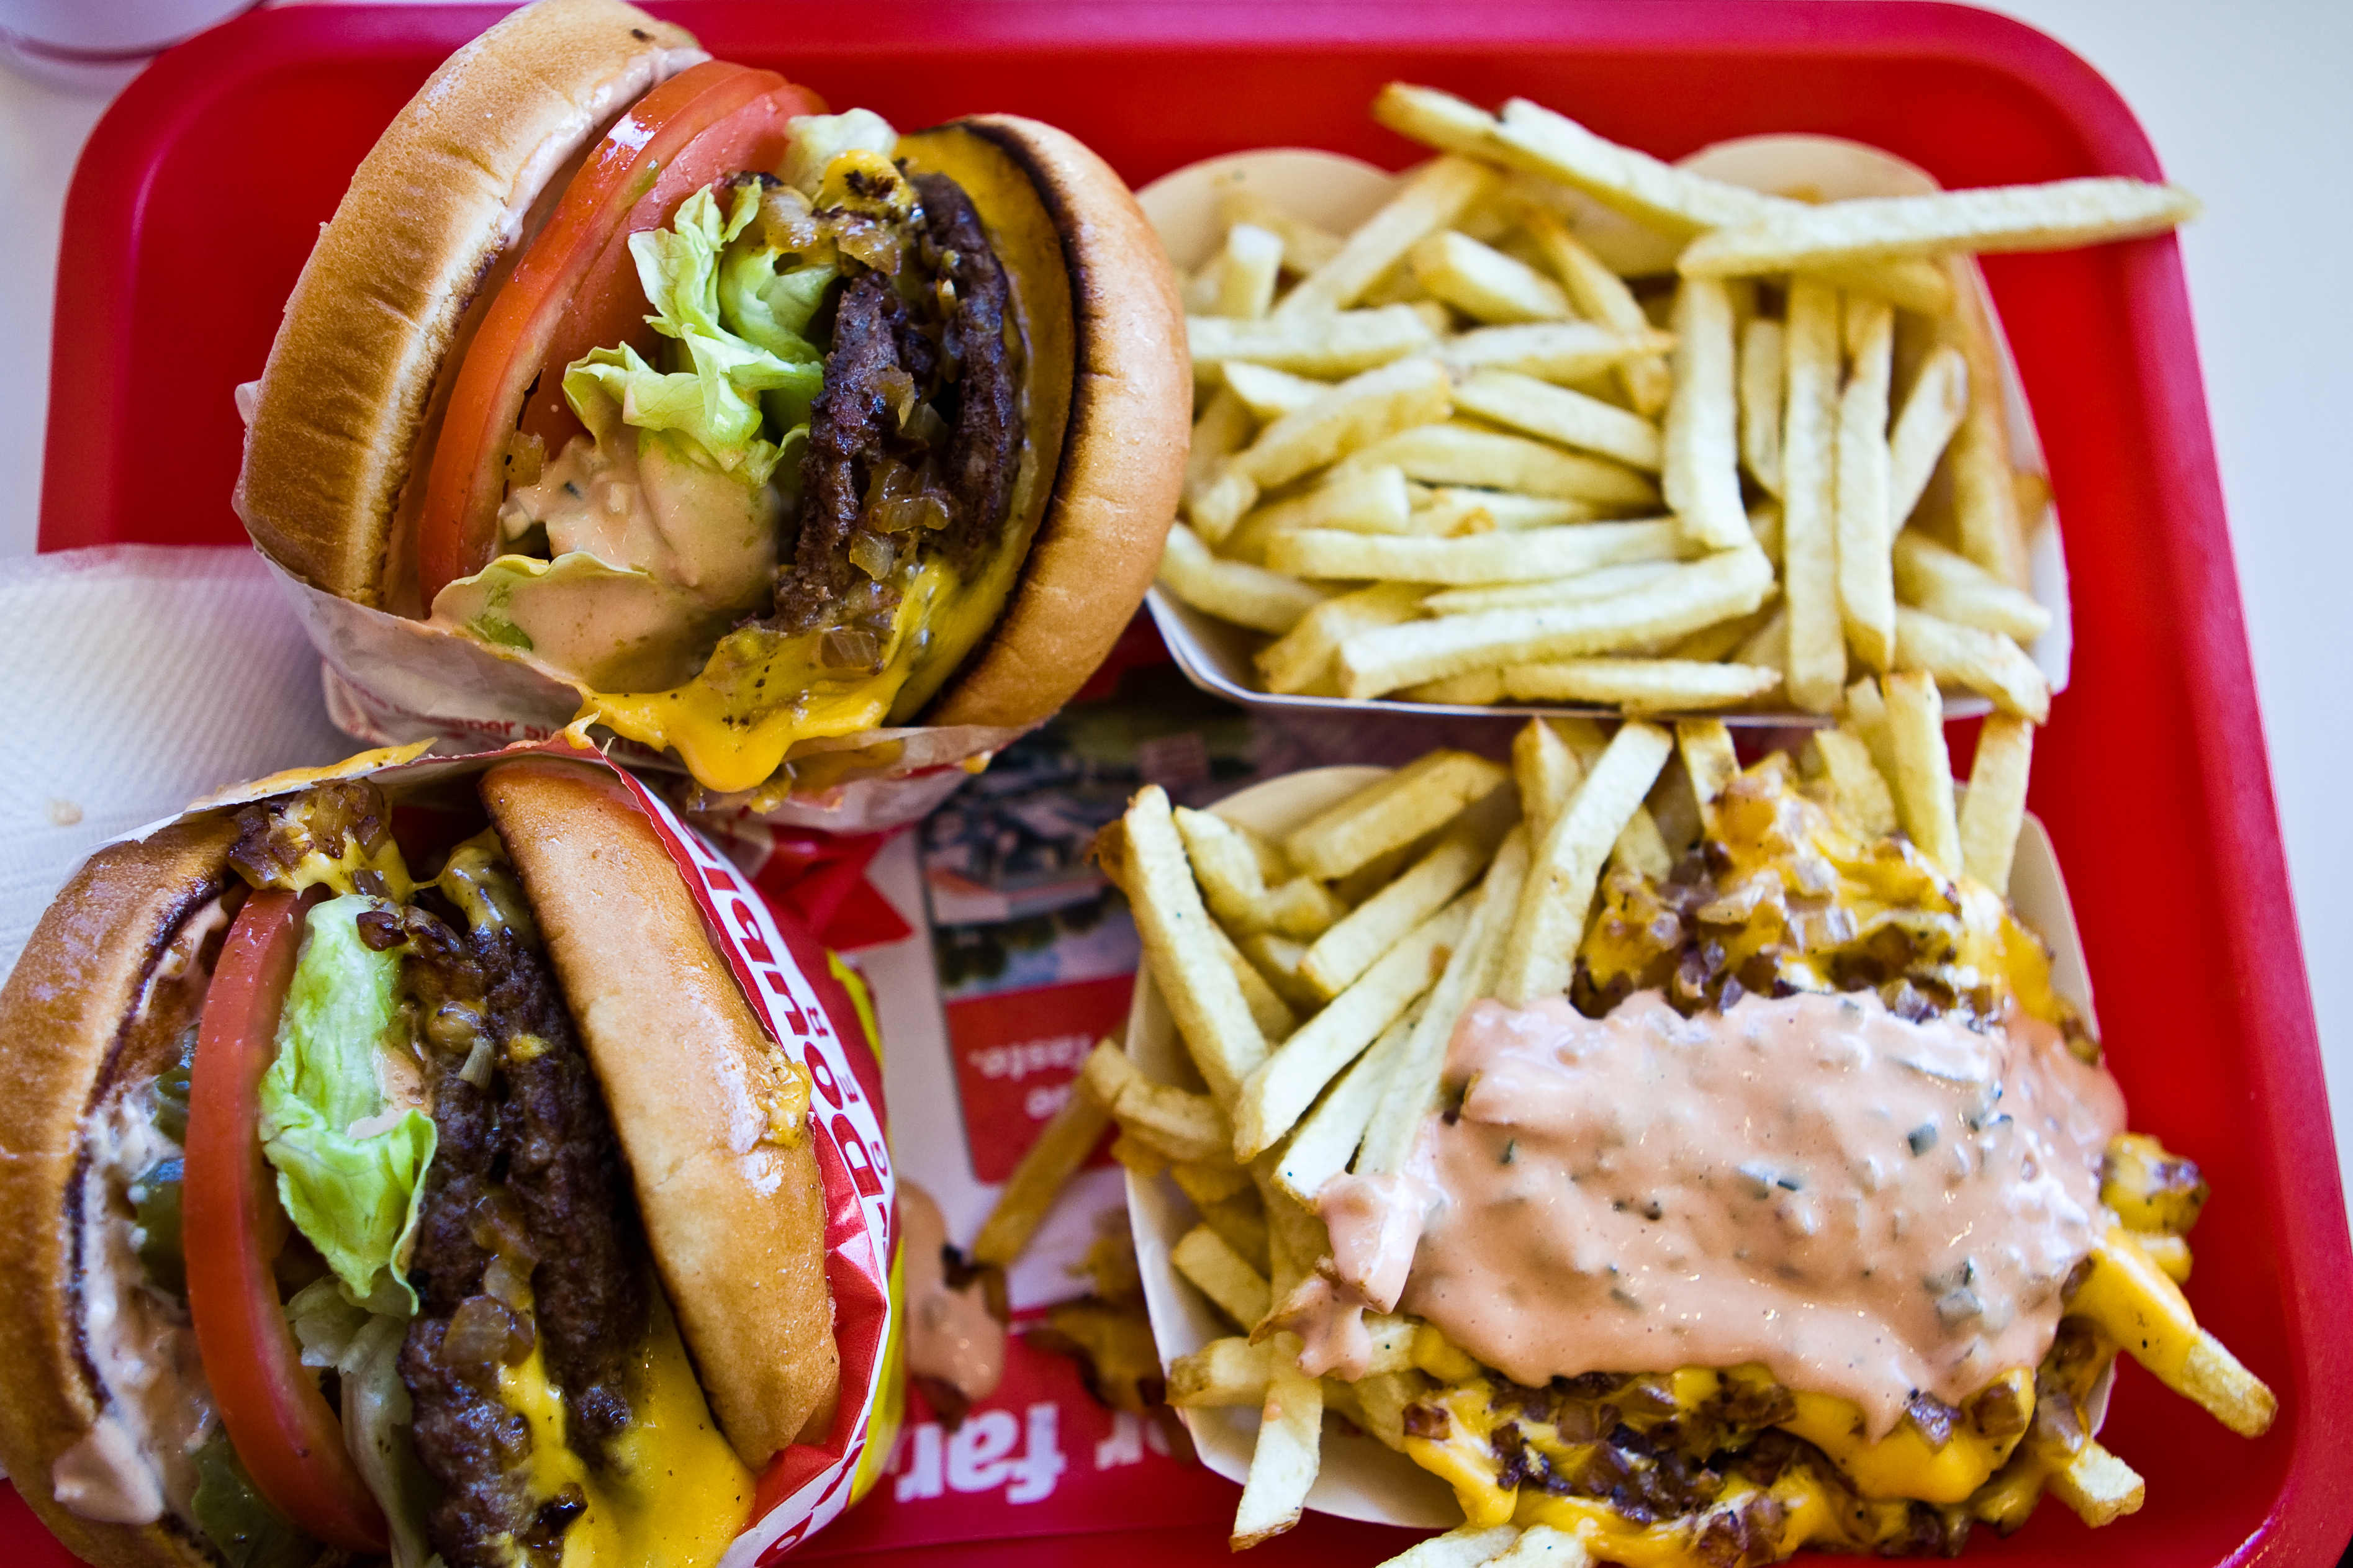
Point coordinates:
[(290, 1442), (576, 288)]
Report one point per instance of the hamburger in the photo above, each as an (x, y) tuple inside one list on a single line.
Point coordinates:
[(397, 1176), (756, 426)]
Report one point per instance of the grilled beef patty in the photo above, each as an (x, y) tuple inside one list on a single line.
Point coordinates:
[(937, 331), (526, 1232)]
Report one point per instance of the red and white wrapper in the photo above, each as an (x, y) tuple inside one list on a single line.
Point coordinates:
[(794, 990), (390, 680)]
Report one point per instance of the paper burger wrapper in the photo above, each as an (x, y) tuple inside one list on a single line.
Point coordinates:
[(1360, 1477), (815, 1009), (390, 680), (1338, 192)]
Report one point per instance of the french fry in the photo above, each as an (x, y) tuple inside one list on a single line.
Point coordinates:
[(1413, 1085), (1203, 292), (1246, 287), (2100, 1488), (1390, 814), (1223, 1274), (1220, 505), (1336, 958), (1356, 414), (1303, 656), (1137, 1155), (1731, 582), (1996, 804), (2169, 1253), (1531, 554), (1866, 716), (1535, 139), (1709, 761), (1476, 688), (2132, 1301), (1485, 284), (1207, 1182), (1436, 194), (1768, 647), (1602, 296), (1761, 402), (1268, 1010), (1808, 509), (1224, 428), (1242, 1220), (1289, 1451), (1276, 958), (1561, 351), (1861, 787), (1985, 493), (1232, 881), (1986, 662), (1922, 773), (1305, 246), (1177, 1124), (1146, 859), (1717, 644), (1272, 1098), (1643, 844), (2058, 216), (1546, 773), (1362, 500), (1598, 583), (1222, 1373), (1950, 585), (1866, 581), (1764, 525), (1560, 414), (1247, 596), (1462, 1547), (1327, 1141), (1326, 347), (1641, 686), (1457, 453), (1509, 513), (1269, 392), (1061, 1147), (1702, 455), (1932, 411), (1549, 922)]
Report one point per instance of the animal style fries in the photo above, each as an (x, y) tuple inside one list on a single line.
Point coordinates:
[(1459, 409), (1595, 866)]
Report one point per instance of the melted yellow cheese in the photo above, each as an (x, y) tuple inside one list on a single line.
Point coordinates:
[(677, 1494), (761, 695), (1902, 1464), (1887, 1475)]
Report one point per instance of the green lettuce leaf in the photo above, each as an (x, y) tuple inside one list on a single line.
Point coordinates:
[(351, 1187), (714, 395)]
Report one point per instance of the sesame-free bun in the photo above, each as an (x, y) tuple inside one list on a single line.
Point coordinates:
[(733, 1207), (348, 391), (1129, 422), (348, 410), (63, 1015)]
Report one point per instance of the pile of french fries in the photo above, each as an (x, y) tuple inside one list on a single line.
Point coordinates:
[(1316, 980), (1462, 460)]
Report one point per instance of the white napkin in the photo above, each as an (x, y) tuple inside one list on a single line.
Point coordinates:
[(140, 678)]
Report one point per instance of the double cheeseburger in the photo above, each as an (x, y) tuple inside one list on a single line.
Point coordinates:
[(344, 1212), (756, 425)]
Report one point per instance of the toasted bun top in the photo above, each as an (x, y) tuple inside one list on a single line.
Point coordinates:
[(386, 295), (63, 1015), (735, 1213), (347, 409), (1122, 461)]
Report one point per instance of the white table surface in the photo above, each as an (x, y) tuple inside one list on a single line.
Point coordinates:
[(2246, 105)]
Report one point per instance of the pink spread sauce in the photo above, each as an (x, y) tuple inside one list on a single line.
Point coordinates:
[(1867, 1205)]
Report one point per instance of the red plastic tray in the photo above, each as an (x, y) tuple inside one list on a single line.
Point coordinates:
[(199, 193)]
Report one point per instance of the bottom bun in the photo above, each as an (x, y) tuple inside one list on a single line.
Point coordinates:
[(712, 1116)]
